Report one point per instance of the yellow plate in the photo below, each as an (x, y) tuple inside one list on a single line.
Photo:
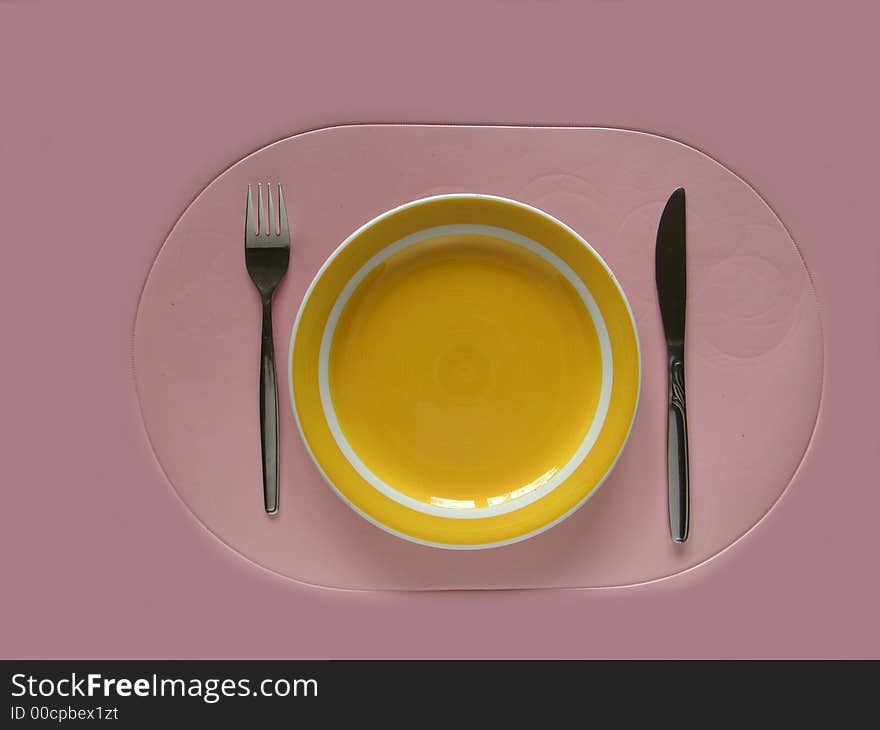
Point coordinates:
[(464, 371)]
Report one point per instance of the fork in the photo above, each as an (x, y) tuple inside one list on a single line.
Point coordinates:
[(266, 255)]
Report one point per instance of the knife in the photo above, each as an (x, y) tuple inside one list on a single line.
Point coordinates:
[(671, 273)]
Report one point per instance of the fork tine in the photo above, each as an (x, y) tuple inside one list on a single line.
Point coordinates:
[(249, 215), (271, 226), (282, 213), (261, 226)]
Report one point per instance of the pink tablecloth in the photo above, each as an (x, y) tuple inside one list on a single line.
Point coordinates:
[(115, 117)]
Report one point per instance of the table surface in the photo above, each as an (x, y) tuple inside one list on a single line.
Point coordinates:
[(116, 115)]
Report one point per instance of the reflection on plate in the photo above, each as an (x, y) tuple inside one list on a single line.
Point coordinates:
[(464, 371)]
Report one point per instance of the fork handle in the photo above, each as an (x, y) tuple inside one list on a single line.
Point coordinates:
[(269, 412)]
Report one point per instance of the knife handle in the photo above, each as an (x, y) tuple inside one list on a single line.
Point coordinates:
[(677, 451)]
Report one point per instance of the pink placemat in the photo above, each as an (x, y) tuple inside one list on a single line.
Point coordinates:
[(755, 350)]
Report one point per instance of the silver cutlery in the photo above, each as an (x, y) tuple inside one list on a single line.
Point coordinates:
[(266, 255), (671, 271)]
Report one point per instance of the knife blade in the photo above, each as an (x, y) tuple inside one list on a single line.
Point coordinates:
[(670, 262)]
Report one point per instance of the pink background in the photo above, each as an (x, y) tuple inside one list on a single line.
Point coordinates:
[(115, 117)]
